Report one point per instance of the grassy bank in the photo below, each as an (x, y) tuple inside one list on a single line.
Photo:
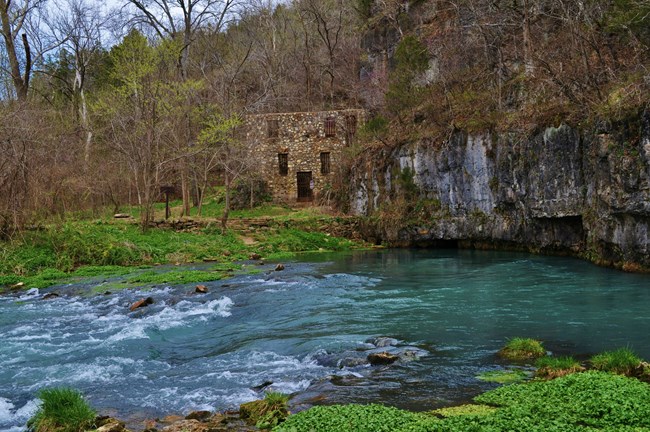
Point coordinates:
[(77, 249)]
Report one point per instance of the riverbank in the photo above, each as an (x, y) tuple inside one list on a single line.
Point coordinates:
[(68, 251)]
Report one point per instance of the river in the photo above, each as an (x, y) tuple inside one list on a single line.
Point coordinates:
[(307, 330)]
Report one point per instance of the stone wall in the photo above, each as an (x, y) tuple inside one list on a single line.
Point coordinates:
[(301, 136)]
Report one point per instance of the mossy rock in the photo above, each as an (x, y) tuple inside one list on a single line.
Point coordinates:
[(521, 349), (555, 367)]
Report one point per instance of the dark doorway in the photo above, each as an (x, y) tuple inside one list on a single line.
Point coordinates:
[(304, 186)]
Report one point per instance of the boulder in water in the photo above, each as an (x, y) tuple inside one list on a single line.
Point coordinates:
[(279, 267), (201, 289), (382, 358), (141, 303), (50, 296)]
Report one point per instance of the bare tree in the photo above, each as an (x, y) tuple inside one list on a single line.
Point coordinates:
[(13, 17), (78, 27)]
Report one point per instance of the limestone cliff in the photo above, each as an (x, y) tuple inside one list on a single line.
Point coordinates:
[(561, 191)]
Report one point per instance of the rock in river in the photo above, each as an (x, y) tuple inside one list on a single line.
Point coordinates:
[(382, 358), (202, 289), (141, 303)]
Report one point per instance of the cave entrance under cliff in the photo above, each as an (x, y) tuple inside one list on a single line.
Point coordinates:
[(439, 244)]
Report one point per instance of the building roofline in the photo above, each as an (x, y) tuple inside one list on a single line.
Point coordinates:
[(304, 112)]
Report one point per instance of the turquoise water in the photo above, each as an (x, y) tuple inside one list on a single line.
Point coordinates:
[(299, 328)]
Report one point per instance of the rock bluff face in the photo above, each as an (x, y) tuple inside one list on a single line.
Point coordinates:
[(561, 191)]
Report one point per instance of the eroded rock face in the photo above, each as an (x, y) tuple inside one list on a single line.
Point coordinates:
[(562, 190)]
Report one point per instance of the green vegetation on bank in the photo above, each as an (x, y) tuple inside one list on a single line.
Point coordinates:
[(553, 367), (268, 412), (62, 410), (589, 401), (621, 361), (107, 247)]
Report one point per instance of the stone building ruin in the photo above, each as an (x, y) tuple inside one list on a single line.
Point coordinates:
[(299, 153)]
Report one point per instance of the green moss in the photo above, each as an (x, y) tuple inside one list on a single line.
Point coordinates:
[(503, 376), (464, 410), (522, 349)]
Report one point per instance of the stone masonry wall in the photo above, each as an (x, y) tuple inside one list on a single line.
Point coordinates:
[(302, 137)]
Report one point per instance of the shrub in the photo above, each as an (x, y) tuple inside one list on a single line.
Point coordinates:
[(622, 361), (245, 189), (554, 367), (62, 410), (522, 349), (266, 413)]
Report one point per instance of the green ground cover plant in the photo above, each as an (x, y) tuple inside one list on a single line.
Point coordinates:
[(590, 401), (357, 418), (522, 349), (621, 361), (62, 410)]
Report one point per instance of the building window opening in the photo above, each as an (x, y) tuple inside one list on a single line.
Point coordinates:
[(283, 163), (350, 127), (330, 127), (325, 163), (273, 128)]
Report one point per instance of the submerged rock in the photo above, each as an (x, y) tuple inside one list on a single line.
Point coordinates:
[(201, 289), (141, 303), (262, 386), (51, 295), (382, 341), (279, 267), (382, 358)]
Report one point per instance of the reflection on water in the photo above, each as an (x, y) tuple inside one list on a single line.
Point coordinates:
[(301, 327)]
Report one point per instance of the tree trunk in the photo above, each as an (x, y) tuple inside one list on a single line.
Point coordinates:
[(529, 66), (226, 207), (21, 82)]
